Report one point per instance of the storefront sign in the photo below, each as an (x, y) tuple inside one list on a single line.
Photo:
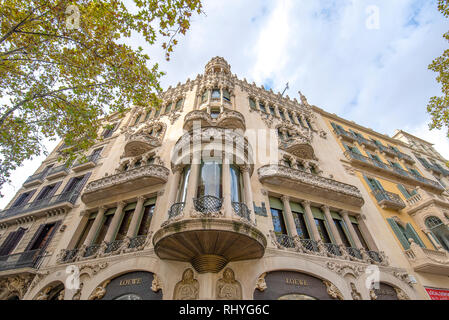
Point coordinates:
[(296, 282), (130, 282), (438, 294)]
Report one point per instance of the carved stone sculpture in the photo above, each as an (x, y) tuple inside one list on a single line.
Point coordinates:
[(228, 288), (187, 288), (354, 293), (99, 291), (332, 290), (261, 285)]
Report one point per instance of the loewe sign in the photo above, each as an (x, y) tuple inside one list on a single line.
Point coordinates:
[(130, 282), (296, 282)]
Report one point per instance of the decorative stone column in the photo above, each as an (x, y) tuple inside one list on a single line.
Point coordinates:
[(351, 230), (248, 192), (134, 224), (311, 221), (226, 183), (95, 226), (118, 215), (291, 226), (331, 224), (174, 186), (192, 183)]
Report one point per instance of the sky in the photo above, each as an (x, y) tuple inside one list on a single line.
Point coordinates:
[(366, 61)]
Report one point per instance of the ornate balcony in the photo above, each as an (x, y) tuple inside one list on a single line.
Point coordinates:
[(228, 119), (318, 248), (84, 164), (310, 183), (58, 203), (208, 237), (35, 179), (133, 179), (298, 146), (388, 200), (368, 163), (27, 259), (140, 143), (426, 260), (345, 135), (58, 172), (418, 204)]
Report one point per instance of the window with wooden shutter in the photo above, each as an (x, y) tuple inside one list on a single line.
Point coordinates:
[(400, 233), (410, 231)]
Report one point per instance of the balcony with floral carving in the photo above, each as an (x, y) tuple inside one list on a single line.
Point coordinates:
[(228, 119), (209, 236), (388, 200), (141, 143), (310, 183), (126, 181), (359, 160), (427, 260)]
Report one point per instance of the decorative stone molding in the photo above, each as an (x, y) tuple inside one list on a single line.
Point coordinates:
[(43, 295), (17, 284), (187, 288), (227, 287), (344, 269), (354, 293), (332, 290), (229, 119), (156, 285), (317, 185), (401, 294), (99, 291), (261, 285)]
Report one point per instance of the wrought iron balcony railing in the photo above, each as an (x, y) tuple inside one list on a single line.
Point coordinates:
[(176, 209), (27, 259), (388, 199), (354, 252), (68, 197), (91, 158), (285, 240), (70, 255), (58, 171), (92, 250), (375, 256), (241, 210), (37, 178), (310, 245), (391, 169), (137, 241), (333, 249), (113, 246), (208, 204)]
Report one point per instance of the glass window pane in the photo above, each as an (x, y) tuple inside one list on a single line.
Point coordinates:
[(322, 230), (210, 179), (236, 187), (278, 221), (182, 190), (300, 225)]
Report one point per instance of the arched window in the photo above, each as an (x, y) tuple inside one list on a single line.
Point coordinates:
[(439, 231), (216, 94), (226, 95)]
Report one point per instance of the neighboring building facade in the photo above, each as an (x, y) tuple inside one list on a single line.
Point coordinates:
[(412, 200), (227, 191)]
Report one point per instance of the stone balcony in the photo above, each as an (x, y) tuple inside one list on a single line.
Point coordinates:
[(208, 236), (57, 204), (228, 119), (35, 179), (388, 200), (310, 183), (359, 160), (127, 181), (22, 260), (298, 146), (87, 163), (426, 260), (423, 200), (141, 143), (58, 172)]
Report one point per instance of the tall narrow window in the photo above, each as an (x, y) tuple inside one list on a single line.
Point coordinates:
[(439, 231), (168, 108), (262, 107), (182, 190), (204, 96), (124, 225), (236, 184), (281, 114), (360, 236), (278, 221), (340, 224), (85, 232), (252, 103), (210, 179), (324, 235), (272, 112), (226, 95), (300, 223), (216, 94), (179, 104), (147, 216), (104, 228)]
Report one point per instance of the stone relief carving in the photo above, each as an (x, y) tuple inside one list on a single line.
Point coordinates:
[(344, 269), (99, 291), (401, 294), (43, 295), (261, 285), (332, 290), (227, 287), (17, 284), (156, 285), (354, 293), (187, 288), (77, 295)]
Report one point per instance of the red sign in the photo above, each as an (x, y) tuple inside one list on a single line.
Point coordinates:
[(438, 294)]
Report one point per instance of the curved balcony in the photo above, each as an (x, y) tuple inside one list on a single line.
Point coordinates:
[(310, 183), (228, 119), (127, 181), (140, 143), (298, 146), (207, 237)]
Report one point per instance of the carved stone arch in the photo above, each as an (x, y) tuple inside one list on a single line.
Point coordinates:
[(140, 264), (295, 265), (52, 291)]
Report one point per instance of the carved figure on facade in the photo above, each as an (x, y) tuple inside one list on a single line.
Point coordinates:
[(227, 287), (261, 285), (99, 291), (187, 288), (332, 290)]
